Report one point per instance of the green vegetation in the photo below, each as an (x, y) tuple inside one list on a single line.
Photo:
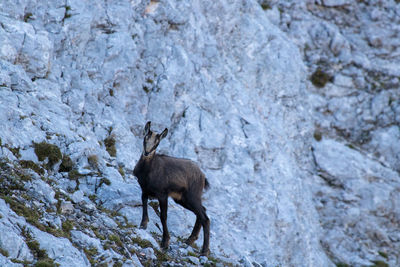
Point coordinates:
[(104, 181), (4, 252), (93, 161), (25, 262), (319, 78), (43, 259), (192, 254), (67, 13), (265, 6), (116, 240), (383, 254), (146, 89), (91, 254), (46, 263), (317, 135), (44, 150), (109, 142), (58, 206), (31, 215), (66, 164), (121, 171), (162, 256), (15, 151), (74, 174), (34, 246), (27, 16), (97, 233), (214, 261), (67, 226), (29, 164), (351, 146), (380, 264), (93, 198), (142, 242), (60, 196)]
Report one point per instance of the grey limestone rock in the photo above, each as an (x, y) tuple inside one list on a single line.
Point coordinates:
[(233, 89)]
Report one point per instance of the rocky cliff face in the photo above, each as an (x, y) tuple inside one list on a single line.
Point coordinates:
[(351, 52), (79, 80)]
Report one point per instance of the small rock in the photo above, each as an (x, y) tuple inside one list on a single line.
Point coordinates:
[(83, 240), (149, 253), (134, 260), (183, 251), (67, 207), (203, 259), (344, 81), (89, 206), (246, 262), (40, 190), (335, 3), (130, 263), (194, 260), (77, 196)]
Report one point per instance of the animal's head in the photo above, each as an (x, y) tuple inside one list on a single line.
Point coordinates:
[(151, 139)]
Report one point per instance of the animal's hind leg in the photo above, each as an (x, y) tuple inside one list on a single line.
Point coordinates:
[(163, 215), (195, 233), (197, 226), (205, 221), (195, 206)]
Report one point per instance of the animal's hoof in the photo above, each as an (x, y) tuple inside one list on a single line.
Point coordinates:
[(205, 252), (143, 225), (190, 241), (165, 244)]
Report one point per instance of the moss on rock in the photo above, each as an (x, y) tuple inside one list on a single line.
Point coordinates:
[(45, 150), (109, 142), (4, 252), (320, 78), (29, 164), (74, 175), (66, 164)]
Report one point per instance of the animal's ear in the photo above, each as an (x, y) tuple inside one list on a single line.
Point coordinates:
[(147, 128), (164, 133)]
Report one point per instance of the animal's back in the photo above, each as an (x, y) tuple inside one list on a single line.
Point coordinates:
[(182, 171)]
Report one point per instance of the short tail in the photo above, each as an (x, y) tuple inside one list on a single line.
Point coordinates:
[(207, 184)]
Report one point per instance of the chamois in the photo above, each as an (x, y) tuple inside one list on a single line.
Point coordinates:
[(161, 176)]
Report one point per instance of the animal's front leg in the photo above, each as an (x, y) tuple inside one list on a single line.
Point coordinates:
[(164, 208), (145, 216)]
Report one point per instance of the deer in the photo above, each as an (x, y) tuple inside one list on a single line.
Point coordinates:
[(161, 176)]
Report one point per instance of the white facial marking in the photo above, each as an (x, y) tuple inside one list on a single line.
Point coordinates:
[(150, 142)]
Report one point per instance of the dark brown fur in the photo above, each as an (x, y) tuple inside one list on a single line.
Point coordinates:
[(161, 176)]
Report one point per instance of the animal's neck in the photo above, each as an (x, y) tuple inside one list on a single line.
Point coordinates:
[(149, 157), (144, 165)]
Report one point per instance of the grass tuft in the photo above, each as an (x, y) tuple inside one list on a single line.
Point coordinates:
[(320, 78), (66, 164), (4, 252), (109, 142), (44, 150), (29, 164)]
